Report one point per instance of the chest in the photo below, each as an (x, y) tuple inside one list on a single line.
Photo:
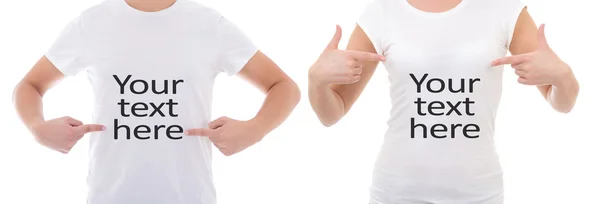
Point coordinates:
[(161, 50), (446, 47)]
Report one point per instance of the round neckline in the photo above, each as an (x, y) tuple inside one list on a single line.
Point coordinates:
[(452, 10), (165, 10)]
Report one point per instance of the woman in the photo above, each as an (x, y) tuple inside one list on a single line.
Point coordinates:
[(444, 62), (152, 65)]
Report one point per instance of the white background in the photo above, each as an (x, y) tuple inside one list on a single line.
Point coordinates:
[(547, 157)]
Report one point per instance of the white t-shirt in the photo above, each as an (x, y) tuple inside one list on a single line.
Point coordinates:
[(152, 75), (439, 147)]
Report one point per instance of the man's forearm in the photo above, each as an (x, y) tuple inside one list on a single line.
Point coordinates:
[(326, 103), (28, 104), (279, 102), (563, 94)]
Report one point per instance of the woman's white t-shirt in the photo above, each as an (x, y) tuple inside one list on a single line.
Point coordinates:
[(439, 147), (152, 75)]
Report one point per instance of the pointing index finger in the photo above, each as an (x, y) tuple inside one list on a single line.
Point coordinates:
[(84, 129), (515, 59), (365, 56), (207, 132)]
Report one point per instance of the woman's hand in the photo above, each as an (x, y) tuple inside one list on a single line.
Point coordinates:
[(336, 66), (541, 67)]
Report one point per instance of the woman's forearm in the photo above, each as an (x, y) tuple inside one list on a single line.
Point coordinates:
[(28, 104), (326, 103), (563, 94), (279, 102)]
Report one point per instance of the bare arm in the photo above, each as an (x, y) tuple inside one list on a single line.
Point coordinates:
[(282, 95), (59, 134), (557, 83), (29, 91), (335, 82)]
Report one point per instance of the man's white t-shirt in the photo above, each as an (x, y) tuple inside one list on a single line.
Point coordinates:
[(439, 147), (152, 75)]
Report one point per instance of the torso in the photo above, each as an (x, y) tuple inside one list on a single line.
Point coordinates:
[(165, 60), (439, 147)]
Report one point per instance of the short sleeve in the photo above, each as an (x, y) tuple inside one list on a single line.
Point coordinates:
[(66, 52), (235, 49), (371, 21), (513, 11)]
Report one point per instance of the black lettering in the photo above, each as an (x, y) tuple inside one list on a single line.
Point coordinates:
[(466, 131), (432, 106), (165, 89), (156, 129), (453, 107), (453, 127), (418, 82), (413, 126), (434, 130), (175, 82), (135, 108), (468, 106), (419, 101), (460, 90), (117, 127), (157, 109), (123, 104), (122, 84), (138, 81), (440, 89), (471, 82), (171, 103), (138, 130), (169, 132)]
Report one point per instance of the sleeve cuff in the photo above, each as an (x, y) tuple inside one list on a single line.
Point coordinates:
[(240, 63)]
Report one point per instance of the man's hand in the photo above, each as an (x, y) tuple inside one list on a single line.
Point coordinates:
[(228, 135), (62, 134), (541, 67), (336, 66)]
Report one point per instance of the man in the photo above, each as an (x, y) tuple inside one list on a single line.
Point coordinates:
[(152, 65)]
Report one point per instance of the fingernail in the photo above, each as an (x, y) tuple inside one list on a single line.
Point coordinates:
[(186, 132), (103, 127)]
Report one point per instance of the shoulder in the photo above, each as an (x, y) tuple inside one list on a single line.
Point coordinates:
[(505, 7), (380, 5), (99, 10), (197, 10)]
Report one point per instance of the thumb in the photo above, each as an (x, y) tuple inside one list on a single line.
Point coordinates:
[(207, 132), (335, 41), (543, 43), (73, 121), (87, 128), (218, 122)]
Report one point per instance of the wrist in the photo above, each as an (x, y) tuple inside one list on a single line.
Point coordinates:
[(33, 124), (259, 127), (314, 79)]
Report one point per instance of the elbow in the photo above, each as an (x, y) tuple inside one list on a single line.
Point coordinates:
[(328, 121), (295, 93), (564, 109), (16, 90)]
